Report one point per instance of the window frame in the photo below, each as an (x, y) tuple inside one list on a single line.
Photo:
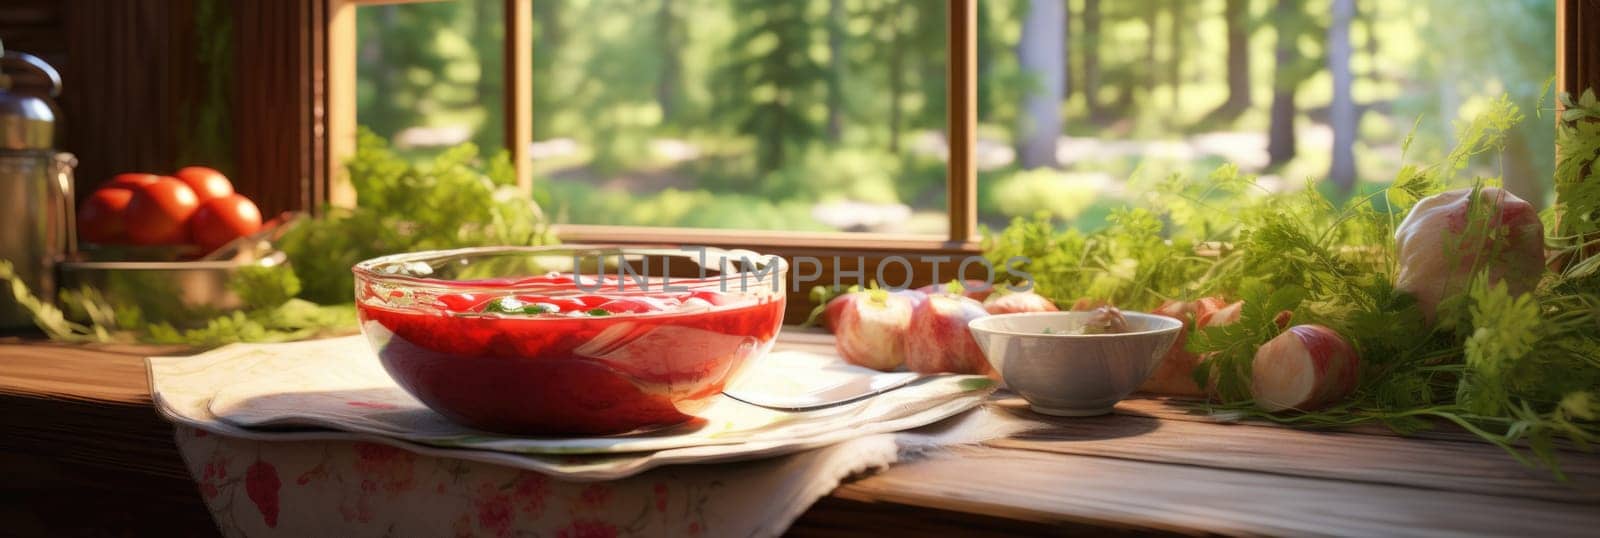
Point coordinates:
[(961, 174), (326, 29), (854, 252), (340, 89)]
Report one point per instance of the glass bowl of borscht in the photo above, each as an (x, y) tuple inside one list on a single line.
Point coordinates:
[(569, 340)]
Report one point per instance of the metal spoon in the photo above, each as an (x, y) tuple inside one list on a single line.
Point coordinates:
[(849, 391)]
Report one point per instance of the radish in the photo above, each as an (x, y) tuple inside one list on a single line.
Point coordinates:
[(1282, 319), (1305, 368), (1204, 305), (1437, 258), (1225, 315), (1179, 310), (1011, 303), (915, 296), (974, 289), (1175, 373), (938, 339), (834, 310), (1229, 314), (871, 328)]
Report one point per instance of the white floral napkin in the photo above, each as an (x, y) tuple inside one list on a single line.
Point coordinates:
[(335, 389), (362, 472), (343, 488)]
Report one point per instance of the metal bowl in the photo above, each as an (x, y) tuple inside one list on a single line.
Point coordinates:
[(183, 293), (162, 285)]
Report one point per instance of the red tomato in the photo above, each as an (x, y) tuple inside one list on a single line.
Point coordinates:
[(159, 213), (131, 180), (224, 219), (206, 182), (100, 216)]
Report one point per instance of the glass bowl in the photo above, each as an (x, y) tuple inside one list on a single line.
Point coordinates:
[(505, 339)]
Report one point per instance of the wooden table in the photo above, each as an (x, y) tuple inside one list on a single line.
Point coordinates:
[(79, 432)]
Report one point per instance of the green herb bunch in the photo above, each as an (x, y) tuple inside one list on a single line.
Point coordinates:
[(1522, 371), (401, 207), (272, 314)]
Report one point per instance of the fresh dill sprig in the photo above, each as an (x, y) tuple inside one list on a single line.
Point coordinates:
[(1521, 371)]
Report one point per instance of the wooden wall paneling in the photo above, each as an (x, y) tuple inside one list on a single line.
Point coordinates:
[(1577, 45), (35, 27), (1577, 69), (125, 81), (314, 133), (280, 106)]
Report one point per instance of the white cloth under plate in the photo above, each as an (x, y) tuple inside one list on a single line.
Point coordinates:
[(342, 488), (325, 481), (335, 389)]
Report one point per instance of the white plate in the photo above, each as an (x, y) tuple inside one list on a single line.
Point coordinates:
[(280, 391)]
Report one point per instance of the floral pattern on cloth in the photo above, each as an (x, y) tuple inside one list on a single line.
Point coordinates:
[(339, 488), (321, 481)]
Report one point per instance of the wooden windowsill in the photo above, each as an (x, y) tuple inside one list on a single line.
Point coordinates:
[(766, 241), (84, 416)]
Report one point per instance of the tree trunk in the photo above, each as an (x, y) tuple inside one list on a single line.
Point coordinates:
[(1040, 123), (1066, 52), (1237, 14), (1175, 24), (1091, 59), (897, 77), (486, 18), (1342, 110), (667, 80), (547, 44), (1152, 16), (836, 68), (387, 121), (1369, 20), (1280, 130)]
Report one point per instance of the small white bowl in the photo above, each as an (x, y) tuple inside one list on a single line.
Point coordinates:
[(1073, 375)]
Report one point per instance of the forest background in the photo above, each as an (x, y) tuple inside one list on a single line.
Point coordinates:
[(829, 114)]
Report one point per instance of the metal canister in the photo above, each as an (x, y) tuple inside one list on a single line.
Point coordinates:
[(36, 203)]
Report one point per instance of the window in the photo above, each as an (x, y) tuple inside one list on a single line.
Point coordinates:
[(430, 75), (819, 116), (1081, 99), (802, 116), (332, 78), (640, 121)]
